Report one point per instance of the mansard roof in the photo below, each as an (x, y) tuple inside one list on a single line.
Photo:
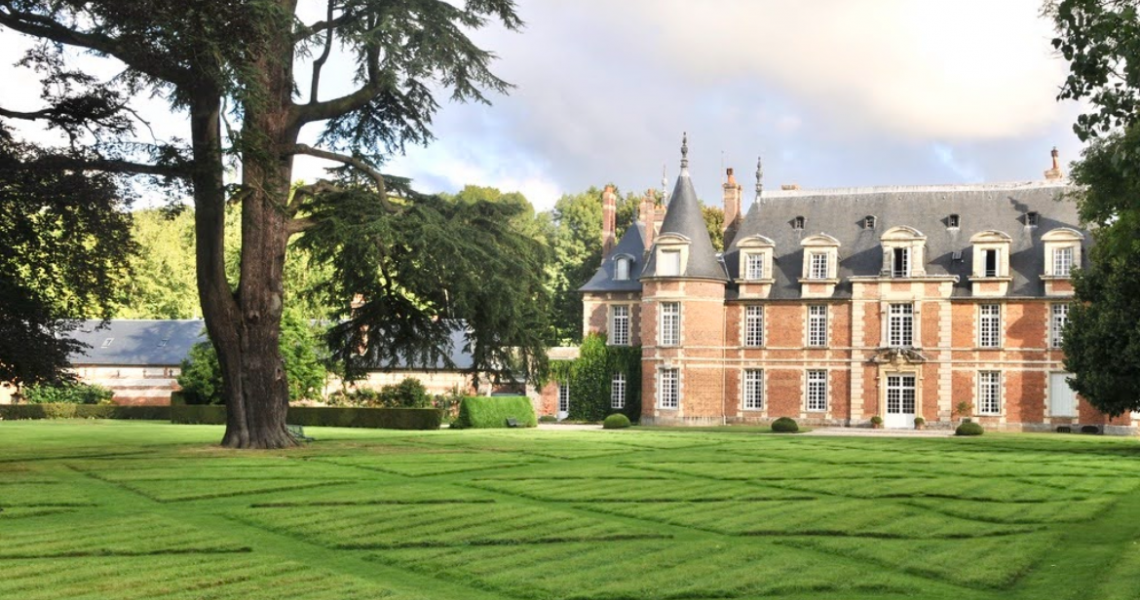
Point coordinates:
[(683, 217), (840, 213), (632, 244)]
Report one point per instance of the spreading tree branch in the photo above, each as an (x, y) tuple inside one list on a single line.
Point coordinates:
[(354, 162), (319, 63)]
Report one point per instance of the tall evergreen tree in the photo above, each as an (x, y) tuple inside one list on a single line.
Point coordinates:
[(229, 67)]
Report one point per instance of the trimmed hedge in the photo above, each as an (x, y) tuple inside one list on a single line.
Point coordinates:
[(493, 411), (785, 425), (616, 421), (16, 412), (969, 428), (323, 416)]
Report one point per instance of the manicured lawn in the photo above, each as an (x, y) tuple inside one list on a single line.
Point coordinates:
[(115, 510)]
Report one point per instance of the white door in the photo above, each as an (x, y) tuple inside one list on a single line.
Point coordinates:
[(900, 402), (563, 400), (1062, 398)]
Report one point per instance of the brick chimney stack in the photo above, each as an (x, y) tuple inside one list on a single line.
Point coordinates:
[(732, 193), (609, 220), (647, 213), (1055, 173)]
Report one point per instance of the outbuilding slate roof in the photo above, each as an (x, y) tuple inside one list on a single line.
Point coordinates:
[(683, 217), (137, 343), (840, 213), (632, 246)]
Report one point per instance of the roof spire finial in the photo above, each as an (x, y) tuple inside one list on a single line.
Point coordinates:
[(684, 151), (664, 185), (759, 178)]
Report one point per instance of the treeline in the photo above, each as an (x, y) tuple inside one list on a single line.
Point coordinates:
[(163, 283)]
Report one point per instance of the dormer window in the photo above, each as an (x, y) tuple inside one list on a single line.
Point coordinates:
[(107, 342), (621, 269), (1062, 255), (798, 223), (818, 268), (904, 250), (669, 263), (990, 269), (869, 222), (754, 266), (952, 222), (1031, 219), (1062, 261), (990, 272)]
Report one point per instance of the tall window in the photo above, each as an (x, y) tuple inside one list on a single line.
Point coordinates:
[(900, 326), (754, 326), (564, 397), (619, 328), (991, 266), (621, 269), (900, 266), (1058, 322), (817, 325), (617, 391), (754, 266), (670, 323), (989, 326), (753, 389), (817, 391), (1063, 261), (668, 389), (818, 265), (989, 392), (670, 263)]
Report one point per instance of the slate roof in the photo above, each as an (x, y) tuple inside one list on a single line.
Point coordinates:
[(632, 244), (840, 213), (129, 342), (684, 217)]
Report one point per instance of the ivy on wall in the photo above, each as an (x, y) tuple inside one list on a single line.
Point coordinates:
[(590, 377)]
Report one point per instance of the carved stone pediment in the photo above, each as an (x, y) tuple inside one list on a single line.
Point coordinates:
[(897, 356)]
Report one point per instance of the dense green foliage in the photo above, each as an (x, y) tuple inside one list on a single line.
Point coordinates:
[(67, 393), (785, 425), (83, 411), (970, 428), (484, 412), (409, 393), (1101, 40), (484, 514), (616, 421), (64, 242), (591, 375)]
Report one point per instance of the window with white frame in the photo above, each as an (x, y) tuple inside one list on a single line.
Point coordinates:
[(621, 269), (817, 325), (670, 263), (1063, 261), (564, 397), (817, 391), (1057, 324), (754, 326), (818, 265), (753, 389), (900, 326), (989, 326), (754, 265), (989, 392), (670, 324), (900, 266), (668, 388), (991, 266), (619, 325), (617, 391)]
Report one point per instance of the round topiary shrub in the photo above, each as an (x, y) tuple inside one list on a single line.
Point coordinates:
[(969, 428), (876, 420), (616, 421), (785, 425), (548, 419)]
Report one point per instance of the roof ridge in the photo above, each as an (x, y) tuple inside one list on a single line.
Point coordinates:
[(880, 189)]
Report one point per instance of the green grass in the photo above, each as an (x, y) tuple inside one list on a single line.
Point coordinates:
[(118, 510)]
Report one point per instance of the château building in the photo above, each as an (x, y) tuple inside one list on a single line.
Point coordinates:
[(833, 306)]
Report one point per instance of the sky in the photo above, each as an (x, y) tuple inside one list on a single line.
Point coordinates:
[(830, 93)]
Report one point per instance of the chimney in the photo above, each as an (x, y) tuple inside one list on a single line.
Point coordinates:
[(648, 215), (1055, 173), (609, 221), (789, 186), (731, 208)]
